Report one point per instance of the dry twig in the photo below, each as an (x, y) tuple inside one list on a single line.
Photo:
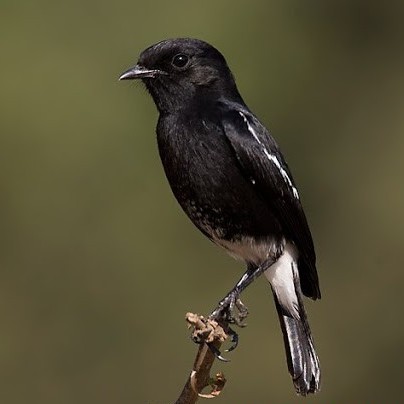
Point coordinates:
[(205, 331)]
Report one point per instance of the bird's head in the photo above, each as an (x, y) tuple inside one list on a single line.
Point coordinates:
[(180, 72)]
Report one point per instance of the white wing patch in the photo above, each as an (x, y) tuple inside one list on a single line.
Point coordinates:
[(271, 157)]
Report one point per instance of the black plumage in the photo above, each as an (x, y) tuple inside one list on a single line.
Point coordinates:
[(230, 178)]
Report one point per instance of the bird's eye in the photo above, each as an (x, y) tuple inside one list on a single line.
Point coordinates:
[(180, 60)]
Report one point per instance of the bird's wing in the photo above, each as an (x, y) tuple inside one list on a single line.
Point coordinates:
[(262, 163)]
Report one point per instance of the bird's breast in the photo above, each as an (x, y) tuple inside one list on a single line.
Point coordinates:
[(205, 179)]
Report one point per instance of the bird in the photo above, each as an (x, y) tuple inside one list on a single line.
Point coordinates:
[(229, 176)]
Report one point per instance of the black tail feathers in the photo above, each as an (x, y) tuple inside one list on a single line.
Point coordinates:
[(302, 359)]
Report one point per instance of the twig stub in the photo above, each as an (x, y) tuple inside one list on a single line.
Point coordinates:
[(205, 329)]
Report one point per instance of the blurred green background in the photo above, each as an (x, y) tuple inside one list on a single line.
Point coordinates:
[(98, 263)]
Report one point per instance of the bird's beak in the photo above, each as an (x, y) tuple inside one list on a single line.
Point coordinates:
[(140, 72)]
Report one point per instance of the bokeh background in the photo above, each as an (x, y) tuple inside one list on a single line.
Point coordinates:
[(98, 263)]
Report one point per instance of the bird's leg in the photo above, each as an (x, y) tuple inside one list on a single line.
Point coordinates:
[(231, 309)]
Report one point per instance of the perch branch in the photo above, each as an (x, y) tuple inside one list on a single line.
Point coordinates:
[(205, 331)]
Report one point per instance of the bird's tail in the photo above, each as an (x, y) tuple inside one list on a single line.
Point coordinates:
[(302, 359)]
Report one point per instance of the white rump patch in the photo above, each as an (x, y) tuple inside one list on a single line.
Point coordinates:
[(271, 157), (281, 277)]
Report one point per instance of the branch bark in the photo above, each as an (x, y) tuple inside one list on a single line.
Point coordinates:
[(205, 331)]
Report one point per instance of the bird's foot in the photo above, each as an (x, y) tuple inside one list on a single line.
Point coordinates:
[(230, 310), (234, 342)]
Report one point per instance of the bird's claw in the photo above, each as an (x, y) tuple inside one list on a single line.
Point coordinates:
[(231, 310), (233, 338), (217, 352)]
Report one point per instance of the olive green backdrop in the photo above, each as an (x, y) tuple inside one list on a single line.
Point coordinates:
[(98, 263)]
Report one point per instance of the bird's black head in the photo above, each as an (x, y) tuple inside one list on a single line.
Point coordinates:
[(181, 72)]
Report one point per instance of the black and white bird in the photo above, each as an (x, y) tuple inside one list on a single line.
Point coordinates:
[(229, 176)]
